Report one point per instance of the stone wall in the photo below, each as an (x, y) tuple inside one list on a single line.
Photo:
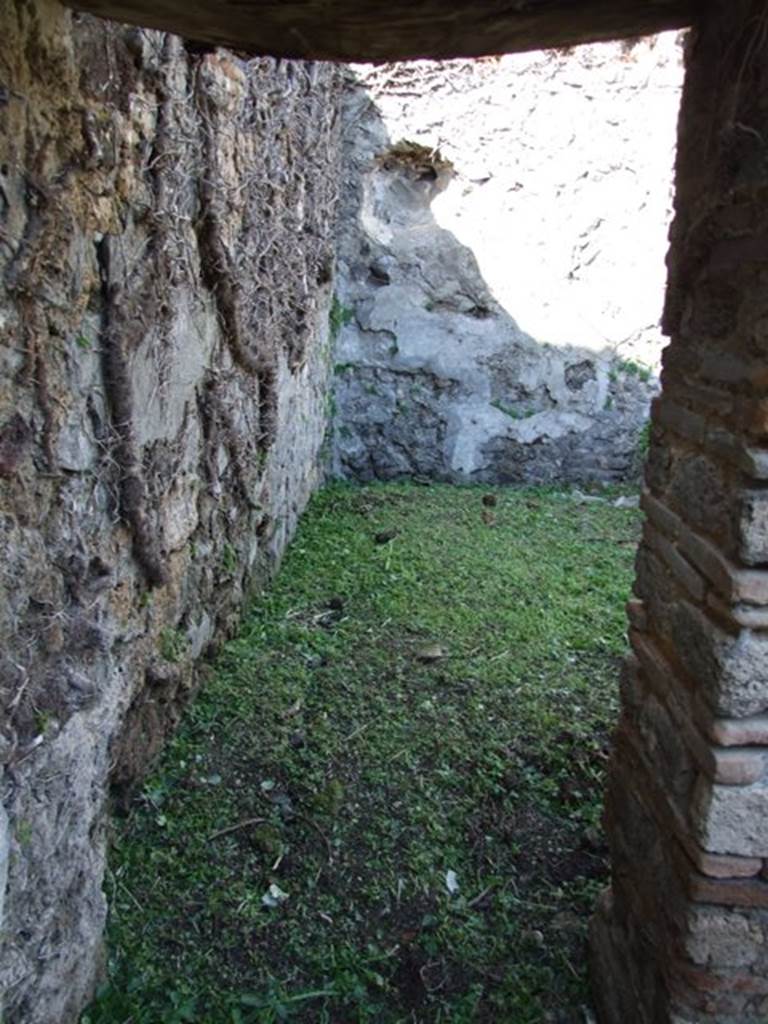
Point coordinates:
[(502, 263), (166, 270), (683, 935)]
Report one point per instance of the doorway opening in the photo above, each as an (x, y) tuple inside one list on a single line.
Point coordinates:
[(386, 805)]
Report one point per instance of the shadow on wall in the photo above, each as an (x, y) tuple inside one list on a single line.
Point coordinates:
[(433, 377), (163, 400)]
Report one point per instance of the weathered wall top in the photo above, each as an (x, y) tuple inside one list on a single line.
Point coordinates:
[(402, 29), (501, 263)]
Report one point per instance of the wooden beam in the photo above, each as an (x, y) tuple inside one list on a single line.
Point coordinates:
[(372, 30)]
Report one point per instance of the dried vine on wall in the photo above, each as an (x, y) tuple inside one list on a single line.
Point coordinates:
[(165, 231), (263, 235), (119, 326)]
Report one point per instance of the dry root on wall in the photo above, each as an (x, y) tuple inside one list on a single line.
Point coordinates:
[(165, 269)]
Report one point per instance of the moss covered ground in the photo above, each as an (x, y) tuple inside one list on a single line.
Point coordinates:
[(384, 804)]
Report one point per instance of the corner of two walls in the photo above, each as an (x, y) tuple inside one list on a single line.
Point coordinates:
[(168, 319), (166, 265)]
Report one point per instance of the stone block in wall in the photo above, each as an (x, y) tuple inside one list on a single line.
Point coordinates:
[(748, 731), (721, 866), (729, 997), (730, 668), (699, 491), (750, 892), (752, 526), (739, 766), (732, 819), (726, 939)]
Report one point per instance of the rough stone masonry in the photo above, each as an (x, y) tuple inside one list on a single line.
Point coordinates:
[(683, 935), (148, 402), (501, 263), (165, 278)]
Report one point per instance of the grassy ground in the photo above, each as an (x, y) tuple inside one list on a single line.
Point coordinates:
[(403, 755)]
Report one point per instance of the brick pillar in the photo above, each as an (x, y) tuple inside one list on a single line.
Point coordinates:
[(683, 934)]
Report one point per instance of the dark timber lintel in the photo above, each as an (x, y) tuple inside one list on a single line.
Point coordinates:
[(372, 30)]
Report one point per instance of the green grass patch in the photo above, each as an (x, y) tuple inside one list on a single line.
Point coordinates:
[(384, 805)]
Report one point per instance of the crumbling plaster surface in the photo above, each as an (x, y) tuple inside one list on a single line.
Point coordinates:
[(166, 260), (502, 297)]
